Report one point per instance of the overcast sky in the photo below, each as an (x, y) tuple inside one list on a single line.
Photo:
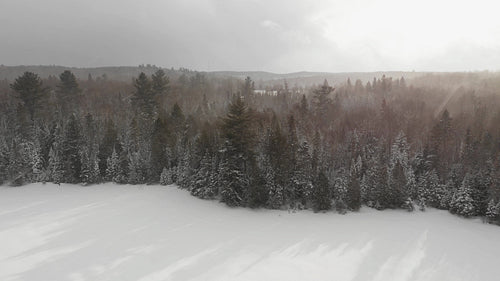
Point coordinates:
[(269, 35)]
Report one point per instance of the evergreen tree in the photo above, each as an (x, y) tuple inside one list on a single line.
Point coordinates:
[(55, 167), (302, 175), (493, 211), (113, 167), (90, 167), (258, 194), (184, 171), (304, 106), (341, 191), (4, 160), (276, 196), (137, 167), (166, 177), (158, 148), (159, 82), (279, 164), (108, 144), (462, 202), (30, 90), (143, 98), (322, 100), (71, 151), (354, 186), (38, 171), (321, 194), (201, 183), (232, 181), (67, 91), (238, 153)]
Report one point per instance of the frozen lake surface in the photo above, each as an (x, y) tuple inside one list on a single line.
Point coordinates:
[(150, 233)]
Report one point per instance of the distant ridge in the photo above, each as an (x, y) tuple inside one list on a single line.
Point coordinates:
[(262, 78)]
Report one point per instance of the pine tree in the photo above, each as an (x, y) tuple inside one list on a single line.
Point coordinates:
[(301, 178), (354, 186), (108, 144), (201, 179), (67, 91), (87, 167), (159, 140), (143, 99), (166, 177), (30, 90), (321, 194), (238, 154), (71, 151), (184, 170), (258, 193), (462, 202), (113, 167), (321, 99), (136, 168), (340, 190), (401, 181), (276, 196), (232, 181), (37, 170), (278, 165), (159, 83), (493, 211), (55, 167), (4, 160)]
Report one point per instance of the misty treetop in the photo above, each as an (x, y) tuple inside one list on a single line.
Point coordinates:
[(432, 141)]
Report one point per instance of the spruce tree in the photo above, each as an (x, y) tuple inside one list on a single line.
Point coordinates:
[(108, 144), (67, 91), (493, 211), (321, 99), (159, 83), (462, 202), (113, 167), (237, 154), (232, 181), (340, 189), (30, 90), (321, 194), (71, 151), (55, 167), (302, 175), (143, 98), (201, 179), (354, 185)]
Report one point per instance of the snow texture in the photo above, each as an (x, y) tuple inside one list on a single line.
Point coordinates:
[(155, 233)]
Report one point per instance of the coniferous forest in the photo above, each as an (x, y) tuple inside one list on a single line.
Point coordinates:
[(387, 143)]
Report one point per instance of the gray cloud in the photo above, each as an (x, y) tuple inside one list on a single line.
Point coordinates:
[(279, 36)]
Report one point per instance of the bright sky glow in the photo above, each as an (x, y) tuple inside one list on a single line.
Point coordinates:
[(271, 35)]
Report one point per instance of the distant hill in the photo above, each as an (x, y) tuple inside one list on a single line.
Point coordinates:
[(262, 78)]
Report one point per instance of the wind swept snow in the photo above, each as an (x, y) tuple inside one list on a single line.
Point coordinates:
[(150, 233)]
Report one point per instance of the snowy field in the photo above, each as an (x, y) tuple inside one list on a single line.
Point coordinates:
[(110, 232)]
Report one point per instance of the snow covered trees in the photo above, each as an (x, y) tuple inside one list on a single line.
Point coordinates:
[(237, 153), (462, 202), (321, 196), (341, 152), (401, 180), (71, 147)]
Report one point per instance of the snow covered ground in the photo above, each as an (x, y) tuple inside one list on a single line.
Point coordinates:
[(149, 233)]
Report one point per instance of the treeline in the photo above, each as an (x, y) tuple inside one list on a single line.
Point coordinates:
[(383, 144)]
